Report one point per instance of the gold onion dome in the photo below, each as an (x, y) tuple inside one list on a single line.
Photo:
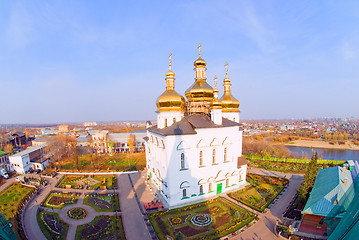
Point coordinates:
[(200, 90), (229, 103), (170, 100)]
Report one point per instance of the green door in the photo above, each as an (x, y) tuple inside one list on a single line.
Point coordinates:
[(219, 188)]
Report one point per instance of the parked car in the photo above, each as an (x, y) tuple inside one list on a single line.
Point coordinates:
[(3, 173)]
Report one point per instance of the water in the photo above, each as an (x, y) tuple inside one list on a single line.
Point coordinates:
[(328, 154)]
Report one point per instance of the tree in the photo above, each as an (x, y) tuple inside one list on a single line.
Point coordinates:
[(9, 148), (61, 146), (131, 142)]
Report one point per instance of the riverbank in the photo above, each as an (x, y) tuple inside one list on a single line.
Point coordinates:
[(321, 144)]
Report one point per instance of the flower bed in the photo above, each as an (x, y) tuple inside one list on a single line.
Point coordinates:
[(262, 191), (70, 180), (103, 202), (51, 225), (210, 220), (76, 213), (102, 227), (59, 200)]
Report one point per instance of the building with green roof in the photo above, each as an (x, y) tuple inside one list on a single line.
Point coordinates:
[(330, 188), (6, 232), (4, 160)]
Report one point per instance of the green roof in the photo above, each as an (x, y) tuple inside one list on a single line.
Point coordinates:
[(2, 153), (327, 191)]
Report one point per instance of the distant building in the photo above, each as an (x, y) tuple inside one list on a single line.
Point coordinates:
[(120, 142), (89, 124), (32, 158), (99, 140), (38, 141), (49, 131), (20, 138), (64, 128)]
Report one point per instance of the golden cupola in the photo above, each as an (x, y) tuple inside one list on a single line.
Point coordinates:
[(229, 103), (216, 104), (200, 93), (170, 100)]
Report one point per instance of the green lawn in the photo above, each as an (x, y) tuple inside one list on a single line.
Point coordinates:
[(58, 200), (70, 180), (226, 218), (10, 201), (102, 227), (293, 160), (110, 181), (261, 191), (51, 225)]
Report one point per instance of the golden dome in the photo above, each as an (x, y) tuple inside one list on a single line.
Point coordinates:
[(199, 91), (170, 100), (229, 103), (199, 63)]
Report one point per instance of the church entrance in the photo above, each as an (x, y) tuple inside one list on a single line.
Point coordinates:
[(219, 188)]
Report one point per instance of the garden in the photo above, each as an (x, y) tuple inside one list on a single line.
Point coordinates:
[(11, 200), (102, 227), (261, 191), (206, 220), (51, 225), (90, 182), (59, 200), (102, 202)]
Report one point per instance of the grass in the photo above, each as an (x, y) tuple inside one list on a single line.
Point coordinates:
[(46, 230), (70, 180), (261, 191), (117, 162), (294, 160), (112, 199), (104, 180), (108, 233), (60, 195), (226, 218)]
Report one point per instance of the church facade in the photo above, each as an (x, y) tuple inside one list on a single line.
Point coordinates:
[(195, 151)]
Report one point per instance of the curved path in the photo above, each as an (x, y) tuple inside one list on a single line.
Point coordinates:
[(265, 226)]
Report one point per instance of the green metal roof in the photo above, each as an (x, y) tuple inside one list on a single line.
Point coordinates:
[(2, 153), (328, 189)]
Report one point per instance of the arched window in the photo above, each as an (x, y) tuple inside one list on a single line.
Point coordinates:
[(201, 189), (227, 182), (184, 193), (182, 161), (201, 158), (210, 187), (225, 155), (174, 120), (165, 122), (214, 156)]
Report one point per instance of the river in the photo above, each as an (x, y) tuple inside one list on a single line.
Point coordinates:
[(328, 154)]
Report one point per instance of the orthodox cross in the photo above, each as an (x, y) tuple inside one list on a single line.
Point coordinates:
[(215, 81), (199, 49), (226, 66), (170, 57)]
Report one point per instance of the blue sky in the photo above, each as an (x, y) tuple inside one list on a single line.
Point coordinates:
[(73, 61)]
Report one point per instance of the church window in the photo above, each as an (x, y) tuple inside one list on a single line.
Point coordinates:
[(174, 120), (182, 161), (201, 158), (227, 182), (201, 189), (210, 187), (165, 122), (214, 156), (184, 193), (225, 155)]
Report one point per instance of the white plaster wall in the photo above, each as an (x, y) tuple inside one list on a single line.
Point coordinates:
[(233, 116), (22, 161), (168, 162), (169, 115)]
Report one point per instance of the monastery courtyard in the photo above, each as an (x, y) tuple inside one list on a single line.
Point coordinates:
[(132, 192)]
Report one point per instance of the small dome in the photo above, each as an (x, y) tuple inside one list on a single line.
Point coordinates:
[(199, 62), (170, 73), (170, 100), (229, 103)]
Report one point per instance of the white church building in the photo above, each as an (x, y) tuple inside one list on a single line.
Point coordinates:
[(195, 151)]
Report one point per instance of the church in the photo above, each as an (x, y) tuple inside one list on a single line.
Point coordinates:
[(194, 153)]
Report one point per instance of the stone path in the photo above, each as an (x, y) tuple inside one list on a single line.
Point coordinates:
[(264, 229)]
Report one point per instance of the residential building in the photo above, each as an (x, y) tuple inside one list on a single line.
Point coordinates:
[(4, 161), (33, 158)]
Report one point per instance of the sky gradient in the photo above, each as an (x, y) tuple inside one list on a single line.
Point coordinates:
[(74, 61)]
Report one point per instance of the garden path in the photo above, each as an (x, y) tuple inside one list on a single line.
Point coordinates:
[(240, 204), (7, 183), (133, 221), (265, 227)]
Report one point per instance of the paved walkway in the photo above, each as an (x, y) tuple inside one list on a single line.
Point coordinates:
[(265, 227), (132, 195)]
